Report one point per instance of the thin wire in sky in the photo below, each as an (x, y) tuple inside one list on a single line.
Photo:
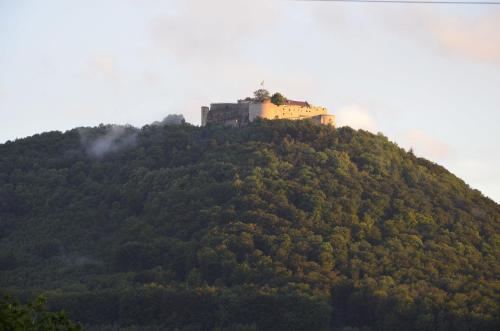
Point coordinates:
[(438, 2)]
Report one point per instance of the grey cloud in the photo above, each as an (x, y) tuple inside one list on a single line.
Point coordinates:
[(202, 29)]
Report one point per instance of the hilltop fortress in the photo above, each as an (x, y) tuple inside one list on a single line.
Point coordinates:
[(247, 110)]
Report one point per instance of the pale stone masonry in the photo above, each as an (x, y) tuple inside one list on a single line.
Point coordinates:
[(245, 111)]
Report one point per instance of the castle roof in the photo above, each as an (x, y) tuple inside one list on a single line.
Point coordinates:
[(297, 103)]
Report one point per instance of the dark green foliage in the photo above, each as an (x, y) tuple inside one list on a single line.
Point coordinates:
[(277, 225), (261, 95), (278, 99), (200, 309), (33, 316)]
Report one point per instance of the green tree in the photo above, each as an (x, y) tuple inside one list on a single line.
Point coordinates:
[(33, 316), (261, 95), (278, 99)]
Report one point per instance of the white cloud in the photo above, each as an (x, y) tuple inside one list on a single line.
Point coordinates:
[(475, 37), (426, 145), (106, 66), (356, 117)]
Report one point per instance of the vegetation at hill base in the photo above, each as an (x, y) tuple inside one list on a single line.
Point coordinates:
[(32, 316), (280, 225)]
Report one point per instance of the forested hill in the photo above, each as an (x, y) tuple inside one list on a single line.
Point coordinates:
[(281, 225)]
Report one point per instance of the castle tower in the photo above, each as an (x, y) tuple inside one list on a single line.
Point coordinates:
[(204, 115)]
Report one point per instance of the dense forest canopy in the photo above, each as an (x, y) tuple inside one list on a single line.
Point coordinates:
[(278, 225)]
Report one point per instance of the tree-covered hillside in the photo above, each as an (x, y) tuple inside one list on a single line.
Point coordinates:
[(279, 225)]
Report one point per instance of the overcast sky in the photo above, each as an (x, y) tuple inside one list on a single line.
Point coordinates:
[(426, 76)]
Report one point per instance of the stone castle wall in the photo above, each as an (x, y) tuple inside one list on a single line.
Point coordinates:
[(324, 119), (232, 114), (269, 110), (241, 113)]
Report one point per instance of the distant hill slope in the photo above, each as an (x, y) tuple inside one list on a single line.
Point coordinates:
[(279, 225)]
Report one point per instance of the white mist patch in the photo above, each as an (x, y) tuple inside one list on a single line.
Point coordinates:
[(116, 138), (80, 260)]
